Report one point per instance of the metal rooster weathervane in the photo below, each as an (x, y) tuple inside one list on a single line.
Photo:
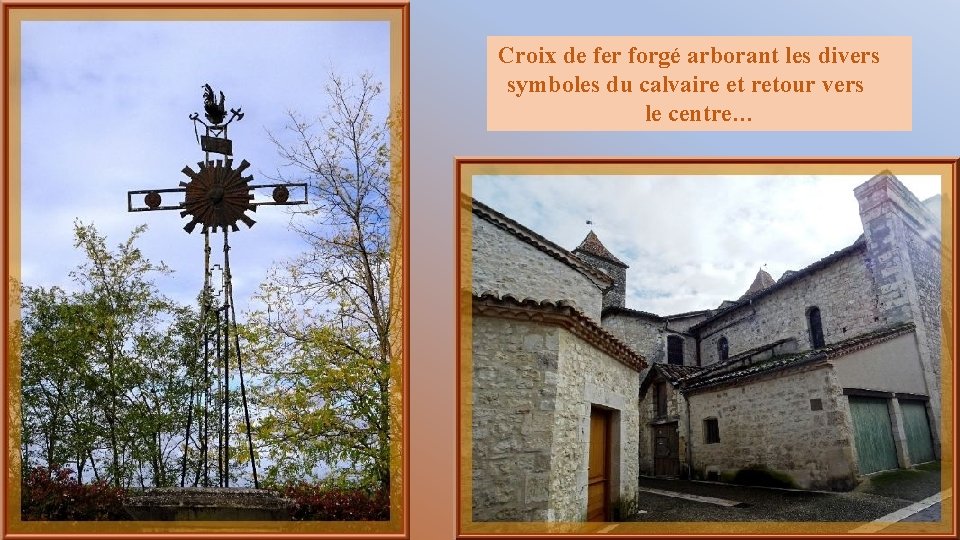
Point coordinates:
[(216, 197)]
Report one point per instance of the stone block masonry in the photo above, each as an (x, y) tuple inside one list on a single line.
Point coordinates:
[(533, 386), (769, 423), (904, 243), (514, 399), (504, 264), (843, 291), (616, 295), (590, 377), (647, 337)]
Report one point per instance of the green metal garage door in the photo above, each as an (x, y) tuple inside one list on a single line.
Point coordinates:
[(873, 435), (918, 431)]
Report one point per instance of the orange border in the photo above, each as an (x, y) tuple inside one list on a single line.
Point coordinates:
[(466, 167), (398, 13)]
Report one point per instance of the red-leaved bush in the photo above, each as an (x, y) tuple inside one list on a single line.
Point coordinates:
[(55, 495), (321, 503)]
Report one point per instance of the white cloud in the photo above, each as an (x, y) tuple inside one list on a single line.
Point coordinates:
[(691, 241), (105, 110)]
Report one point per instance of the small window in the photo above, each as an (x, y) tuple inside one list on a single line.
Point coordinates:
[(711, 431), (675, 350), (816, 327), (660, 393), (723, 349)]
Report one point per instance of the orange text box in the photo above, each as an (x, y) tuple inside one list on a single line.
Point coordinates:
[(702, 83)]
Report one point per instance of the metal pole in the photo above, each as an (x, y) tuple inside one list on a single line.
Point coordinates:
[(220, 390), (186, 439), (204, 315), (226, 367), (243, 391)]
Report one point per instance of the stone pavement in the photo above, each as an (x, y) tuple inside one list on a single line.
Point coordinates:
[(879, 496)]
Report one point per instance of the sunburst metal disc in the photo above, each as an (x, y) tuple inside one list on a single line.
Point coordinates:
[(217, 195)]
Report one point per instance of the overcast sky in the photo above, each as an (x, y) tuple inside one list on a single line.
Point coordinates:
[(691, 242), (105, 110)]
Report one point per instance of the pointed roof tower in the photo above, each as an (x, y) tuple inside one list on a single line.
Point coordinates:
[(761, 282), (594, 253), (592, 245)]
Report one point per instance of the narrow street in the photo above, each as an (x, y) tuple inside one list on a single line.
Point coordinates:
[(878, 496)]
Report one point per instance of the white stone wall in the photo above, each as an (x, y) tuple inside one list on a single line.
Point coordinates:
[(769, 423), (514, 389), (586, 377), (504, 264), (843, 291)]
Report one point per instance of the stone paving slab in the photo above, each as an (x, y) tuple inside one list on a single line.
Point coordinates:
[(696, 498), (765, 504)]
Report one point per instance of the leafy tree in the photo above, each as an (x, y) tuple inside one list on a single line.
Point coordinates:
[(55, 383), (103, 368), (323, 348)]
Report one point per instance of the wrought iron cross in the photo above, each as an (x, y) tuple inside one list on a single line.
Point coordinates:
[(216, 197)]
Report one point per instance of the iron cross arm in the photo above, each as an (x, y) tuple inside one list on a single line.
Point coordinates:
[(279, 198), (217, 196)]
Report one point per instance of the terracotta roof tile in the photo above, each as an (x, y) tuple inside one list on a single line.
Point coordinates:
[(671, 372), (715, 375), (675, 373), (617, 310), (593, 246), (560, 314)]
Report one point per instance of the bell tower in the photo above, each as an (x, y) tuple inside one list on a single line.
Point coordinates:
[(593, 252)]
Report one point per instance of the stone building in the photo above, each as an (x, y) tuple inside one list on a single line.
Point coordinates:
[(829, 373), (554, 395), (811, 380)]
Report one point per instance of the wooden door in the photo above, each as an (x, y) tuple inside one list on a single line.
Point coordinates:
[(873, 434), (917, 428), (666, 450), (598, 469)]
